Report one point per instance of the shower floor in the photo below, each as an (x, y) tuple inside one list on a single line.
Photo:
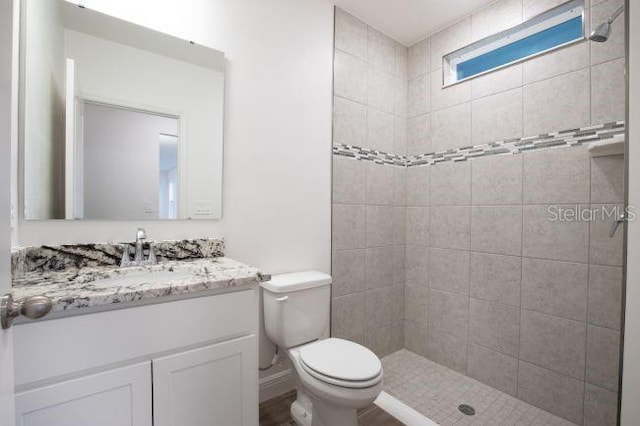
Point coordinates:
[(436, 392)]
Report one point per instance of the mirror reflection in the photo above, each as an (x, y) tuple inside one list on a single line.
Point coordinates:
[(119, 122)]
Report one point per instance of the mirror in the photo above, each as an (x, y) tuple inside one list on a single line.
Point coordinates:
[(118, 121)]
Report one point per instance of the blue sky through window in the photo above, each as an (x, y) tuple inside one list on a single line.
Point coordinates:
[(536, 43)]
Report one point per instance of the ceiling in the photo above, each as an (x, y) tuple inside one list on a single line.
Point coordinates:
[(408, 21)]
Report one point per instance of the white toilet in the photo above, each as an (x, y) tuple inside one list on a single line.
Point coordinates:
[(334, 377)]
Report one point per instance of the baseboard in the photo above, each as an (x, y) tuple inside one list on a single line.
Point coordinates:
[(276, 384)]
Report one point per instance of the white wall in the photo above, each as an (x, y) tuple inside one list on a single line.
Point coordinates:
[(122, 162), (631, 366), (44, 97), (8, 137), (277, 150), (122, 75)]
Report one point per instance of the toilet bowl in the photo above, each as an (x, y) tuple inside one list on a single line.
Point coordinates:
[(334, 377)]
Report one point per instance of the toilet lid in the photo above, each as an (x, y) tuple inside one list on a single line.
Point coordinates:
[(341, 359)]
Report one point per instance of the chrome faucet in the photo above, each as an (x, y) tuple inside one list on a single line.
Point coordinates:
[(141, 235), (138, 257)]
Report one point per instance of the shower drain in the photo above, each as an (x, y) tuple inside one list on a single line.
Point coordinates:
[(466, 409)]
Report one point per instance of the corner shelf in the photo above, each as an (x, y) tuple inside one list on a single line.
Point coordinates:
[(612, 146)]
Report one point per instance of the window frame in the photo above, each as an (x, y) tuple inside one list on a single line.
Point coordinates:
[(548, 19)]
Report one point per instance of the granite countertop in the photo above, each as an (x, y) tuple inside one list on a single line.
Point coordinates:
[(89, 276), (90, 287)]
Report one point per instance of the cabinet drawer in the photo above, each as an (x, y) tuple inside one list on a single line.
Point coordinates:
[(119, 397), (48, 349)]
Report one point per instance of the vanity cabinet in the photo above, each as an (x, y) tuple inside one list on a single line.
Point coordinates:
[(119, 397), (189, 362), (193, 388)]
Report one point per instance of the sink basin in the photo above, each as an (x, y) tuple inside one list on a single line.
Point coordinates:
[(142, 277)]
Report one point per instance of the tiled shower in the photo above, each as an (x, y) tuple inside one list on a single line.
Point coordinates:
[(444, 241)]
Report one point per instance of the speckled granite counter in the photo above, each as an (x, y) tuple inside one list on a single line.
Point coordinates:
[(76, 277)]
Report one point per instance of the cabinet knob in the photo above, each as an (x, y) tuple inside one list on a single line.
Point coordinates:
[(33, 307)]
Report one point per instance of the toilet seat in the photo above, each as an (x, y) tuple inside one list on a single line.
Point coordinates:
[(341, 362)]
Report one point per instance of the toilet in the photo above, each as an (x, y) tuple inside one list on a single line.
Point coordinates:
[(334, 377)]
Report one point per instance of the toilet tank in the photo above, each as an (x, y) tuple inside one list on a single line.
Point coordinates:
[(296, 307)]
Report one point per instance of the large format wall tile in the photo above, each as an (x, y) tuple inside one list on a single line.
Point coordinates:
[(600, 406), (380, 226), (494, 326), (418, 226), (419, 62), (417, 265), (348, 73), (418, 96), (497, 81), (419, 135), (446, 41), (603, 355), (607, 179), (496, 278), (448, 313), (402, 61), (385, 339), (558, 62), (348, 180), (544, 237), (449, 270), (380, 89), (555, 392), (384, 306), (608, 92), (493, 368), (347, 270), (442, 97), (449, 227), (558, 103), (605, 296), (380, 188), (556, 288), (451, 127), (450, 184), (380, 130), (447, 350), (348, 315), (418, 186), (496, 229), (603, 249), (496, 180), (497, 117), (415, 338), (381, 50), (349, 122), (416, 299), (496, 17), (348, 229), (553, 342), (350, 34), (379, 267), (557, 176)]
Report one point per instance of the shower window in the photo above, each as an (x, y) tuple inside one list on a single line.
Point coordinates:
[(550, 30)]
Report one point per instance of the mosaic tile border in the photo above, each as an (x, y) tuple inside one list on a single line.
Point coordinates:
[(572, 137)]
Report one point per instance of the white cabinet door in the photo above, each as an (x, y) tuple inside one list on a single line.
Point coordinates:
[(120, 397), (210, 386)]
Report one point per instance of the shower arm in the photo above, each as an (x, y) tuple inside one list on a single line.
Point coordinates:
[(616, 14)]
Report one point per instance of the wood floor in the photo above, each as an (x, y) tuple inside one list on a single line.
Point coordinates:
[(275, 412)]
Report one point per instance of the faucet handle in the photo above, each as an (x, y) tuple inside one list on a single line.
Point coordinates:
[(141, 234), (126, 258), (151, 258)]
